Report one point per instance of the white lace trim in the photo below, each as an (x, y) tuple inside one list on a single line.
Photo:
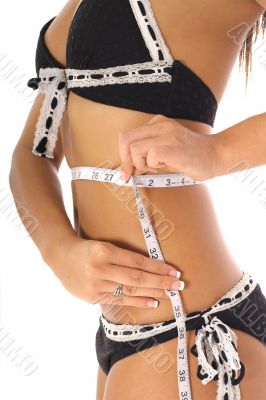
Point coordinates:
[(154, 41), (146, 21), (135, 330), (234, 294), (156, 328), (51, 91), (82, 78), (157, 74), (215, 344), (46, 73)]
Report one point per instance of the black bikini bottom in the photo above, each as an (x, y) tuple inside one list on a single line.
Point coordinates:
[(242, 308)]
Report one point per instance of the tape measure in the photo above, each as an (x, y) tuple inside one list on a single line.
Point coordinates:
[(154, 251), (113, 176)]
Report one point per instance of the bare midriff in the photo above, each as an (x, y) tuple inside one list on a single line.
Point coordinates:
[(185, 220)]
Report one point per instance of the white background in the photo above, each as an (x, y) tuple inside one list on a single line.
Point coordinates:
[(56, 329)]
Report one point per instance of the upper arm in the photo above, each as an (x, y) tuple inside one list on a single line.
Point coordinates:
[(26, 138), (55, 39)]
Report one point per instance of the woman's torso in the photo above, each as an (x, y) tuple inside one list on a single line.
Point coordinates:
[(197, 33)]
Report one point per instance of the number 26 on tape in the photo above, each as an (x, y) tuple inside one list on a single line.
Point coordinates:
[(95, 175)]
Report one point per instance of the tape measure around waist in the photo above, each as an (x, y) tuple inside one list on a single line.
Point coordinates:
[(108, 175), (161, 180)]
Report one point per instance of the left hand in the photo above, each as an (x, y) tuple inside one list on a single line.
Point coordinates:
[(165, 144)]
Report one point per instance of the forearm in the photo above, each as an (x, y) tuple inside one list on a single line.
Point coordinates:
[(36, 188), (241, 146)]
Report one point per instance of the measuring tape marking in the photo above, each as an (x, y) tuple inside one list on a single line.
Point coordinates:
[(113, 176), (154, 251)]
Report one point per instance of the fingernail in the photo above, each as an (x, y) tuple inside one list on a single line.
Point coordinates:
[(153, 303), (123, 175), (174, 272), (178, 285)]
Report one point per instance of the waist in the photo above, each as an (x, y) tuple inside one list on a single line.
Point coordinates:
[(188, 235), (195, 320), (197, 295)]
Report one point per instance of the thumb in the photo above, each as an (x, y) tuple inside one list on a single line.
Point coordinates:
[(126, 172)]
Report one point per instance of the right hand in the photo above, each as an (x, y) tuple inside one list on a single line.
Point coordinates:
[(91, 270)]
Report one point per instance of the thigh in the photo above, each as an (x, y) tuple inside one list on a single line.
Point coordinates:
[(101, 380), (253, 354), (152, 373)]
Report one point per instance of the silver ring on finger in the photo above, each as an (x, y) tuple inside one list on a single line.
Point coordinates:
[(119, 290)]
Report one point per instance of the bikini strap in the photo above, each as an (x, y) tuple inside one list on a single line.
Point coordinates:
[(52, 82)]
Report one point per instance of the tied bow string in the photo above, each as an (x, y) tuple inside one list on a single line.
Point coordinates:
[(52, 82), (218, 359)]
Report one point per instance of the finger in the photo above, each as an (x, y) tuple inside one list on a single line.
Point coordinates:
[(140, 149), (136, 171), (109, 287), (125, 139), (139, 278), (164, 155), (141, 302), (125, 174), (132, 259)]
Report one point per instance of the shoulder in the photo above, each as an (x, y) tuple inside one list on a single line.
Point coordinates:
[(56, 35)]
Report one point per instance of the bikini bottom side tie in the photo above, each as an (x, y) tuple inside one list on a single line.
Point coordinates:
[(215, 344)]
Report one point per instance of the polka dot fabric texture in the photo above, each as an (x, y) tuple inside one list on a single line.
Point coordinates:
[(116, 55)]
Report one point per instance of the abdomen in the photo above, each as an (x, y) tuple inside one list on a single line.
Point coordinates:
[(190, 238)]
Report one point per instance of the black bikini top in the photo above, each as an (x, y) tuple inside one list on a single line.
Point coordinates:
[(116, 55)]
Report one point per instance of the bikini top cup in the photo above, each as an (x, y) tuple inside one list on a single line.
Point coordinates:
[(116, 55)]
